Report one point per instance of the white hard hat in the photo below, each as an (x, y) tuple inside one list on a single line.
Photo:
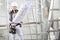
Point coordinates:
[(14, 4)]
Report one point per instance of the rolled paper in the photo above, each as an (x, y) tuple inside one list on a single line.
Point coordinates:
[(21, 13)]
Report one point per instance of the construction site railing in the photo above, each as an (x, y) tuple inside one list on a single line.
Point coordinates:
[(3, 25)]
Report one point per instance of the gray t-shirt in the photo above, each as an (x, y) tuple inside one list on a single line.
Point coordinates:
[(12, 14)]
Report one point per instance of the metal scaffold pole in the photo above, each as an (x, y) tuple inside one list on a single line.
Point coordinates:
[(48, 23), (41, 6)]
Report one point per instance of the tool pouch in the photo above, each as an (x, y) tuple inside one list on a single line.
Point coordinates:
[(12, 29)]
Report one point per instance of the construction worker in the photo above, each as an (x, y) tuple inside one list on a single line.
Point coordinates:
[(14, 28)]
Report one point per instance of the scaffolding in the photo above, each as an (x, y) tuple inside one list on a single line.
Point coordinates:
[(35, 25), (54, 20)]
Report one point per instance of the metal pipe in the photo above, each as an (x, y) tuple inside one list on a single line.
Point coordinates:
[(55, 20), (50, 12)]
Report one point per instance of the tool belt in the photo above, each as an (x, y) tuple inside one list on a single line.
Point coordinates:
[(13, 28)]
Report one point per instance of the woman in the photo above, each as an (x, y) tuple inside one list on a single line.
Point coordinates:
[(14, 28)]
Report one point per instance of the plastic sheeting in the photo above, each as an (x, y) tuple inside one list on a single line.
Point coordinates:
[(21, 13)]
